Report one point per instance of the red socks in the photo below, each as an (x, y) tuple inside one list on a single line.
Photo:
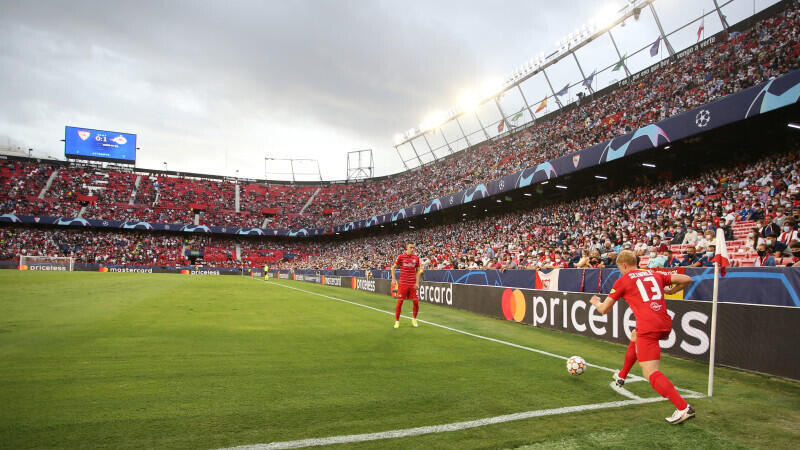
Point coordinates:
[(663, 386), (630, 359), (399, 308)]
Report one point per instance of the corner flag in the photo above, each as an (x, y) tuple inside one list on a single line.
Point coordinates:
[(720, 262), (721, 255)]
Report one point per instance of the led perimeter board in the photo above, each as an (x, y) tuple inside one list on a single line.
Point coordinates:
[(99, 145)]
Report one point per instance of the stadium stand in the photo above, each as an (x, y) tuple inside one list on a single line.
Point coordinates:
[(668, 215), (653, 219), (771, 47)]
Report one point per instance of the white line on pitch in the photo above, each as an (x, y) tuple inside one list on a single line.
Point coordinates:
[(631, 377), (350, 438)]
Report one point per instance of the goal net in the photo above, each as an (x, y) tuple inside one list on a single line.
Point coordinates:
[(54, 263)]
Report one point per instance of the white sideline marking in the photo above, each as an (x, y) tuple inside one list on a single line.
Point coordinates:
[(631, 377), (622, 391), (346, 439)]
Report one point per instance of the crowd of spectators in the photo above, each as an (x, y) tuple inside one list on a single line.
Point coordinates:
[(88, 247), (768, 49), (588, 232), (145, 248)]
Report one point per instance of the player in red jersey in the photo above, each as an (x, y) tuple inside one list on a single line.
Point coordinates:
[(644, 291), (409, 282)]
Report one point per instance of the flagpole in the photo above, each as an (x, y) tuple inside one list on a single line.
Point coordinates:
[(713, 331)]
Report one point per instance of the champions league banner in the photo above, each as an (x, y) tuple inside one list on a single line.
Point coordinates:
[(760, 99), (148, 226)]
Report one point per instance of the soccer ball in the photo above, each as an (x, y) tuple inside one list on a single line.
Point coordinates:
[(576, 365)]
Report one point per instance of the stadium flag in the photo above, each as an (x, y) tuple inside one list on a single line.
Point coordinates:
[(501, 125), (563, 90), (517, 116), (720, 260), (655, 46), (588, 81), (702, 27), (547, 281), (542, 105), (620, 63)]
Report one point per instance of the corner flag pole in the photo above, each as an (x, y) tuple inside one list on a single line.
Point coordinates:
[(713, 331), (720, 262)]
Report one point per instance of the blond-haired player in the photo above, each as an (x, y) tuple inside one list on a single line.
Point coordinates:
[(644, 291)]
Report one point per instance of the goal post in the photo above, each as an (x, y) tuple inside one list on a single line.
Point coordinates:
[(46, 263)]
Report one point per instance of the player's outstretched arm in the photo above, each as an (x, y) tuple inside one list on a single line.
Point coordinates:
[(603, 307), (679, 283)]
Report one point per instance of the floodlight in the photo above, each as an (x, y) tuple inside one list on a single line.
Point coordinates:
[(491, 87), (561, 186), (651, 165), (794, 125), (432, 121), (398, 138), (606, 15), (600, 177), (468, 102)]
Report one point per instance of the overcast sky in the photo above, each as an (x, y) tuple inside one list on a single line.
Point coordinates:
[(215, 87)]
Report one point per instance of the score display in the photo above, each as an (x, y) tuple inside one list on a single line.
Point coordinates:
[(99, 145)]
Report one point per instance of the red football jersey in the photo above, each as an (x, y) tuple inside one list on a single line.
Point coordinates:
[(409, 264), (643, 290)]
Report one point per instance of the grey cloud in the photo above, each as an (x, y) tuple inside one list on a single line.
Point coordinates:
[(371, 68)]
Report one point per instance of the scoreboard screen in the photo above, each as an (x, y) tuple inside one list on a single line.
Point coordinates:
[(99, 145)]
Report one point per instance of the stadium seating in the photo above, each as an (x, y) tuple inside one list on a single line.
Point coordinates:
[(528, 239), (767, 49)]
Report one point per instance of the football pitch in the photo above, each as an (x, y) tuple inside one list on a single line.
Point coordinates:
[(170, 361)]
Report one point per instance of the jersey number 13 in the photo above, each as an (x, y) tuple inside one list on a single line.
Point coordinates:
[(654, 291)]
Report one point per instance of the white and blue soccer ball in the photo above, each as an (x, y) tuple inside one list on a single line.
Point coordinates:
[(576, 365)]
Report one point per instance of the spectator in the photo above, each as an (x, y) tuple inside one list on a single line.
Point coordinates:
[(789, 232), (753, 239), (671, 260), (708, 256), (795, 248), (691, 258), (691, 238), (764, 259), (776, 247)]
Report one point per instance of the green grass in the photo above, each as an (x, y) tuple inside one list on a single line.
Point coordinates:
[(169, 361)]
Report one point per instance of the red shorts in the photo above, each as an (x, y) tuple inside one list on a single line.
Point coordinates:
[(406, 292), (647, 348)]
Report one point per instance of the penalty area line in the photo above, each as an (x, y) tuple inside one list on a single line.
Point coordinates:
[(350, 438), (631, 377)]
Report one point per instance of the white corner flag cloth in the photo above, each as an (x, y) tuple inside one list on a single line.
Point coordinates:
[(721, 252)]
